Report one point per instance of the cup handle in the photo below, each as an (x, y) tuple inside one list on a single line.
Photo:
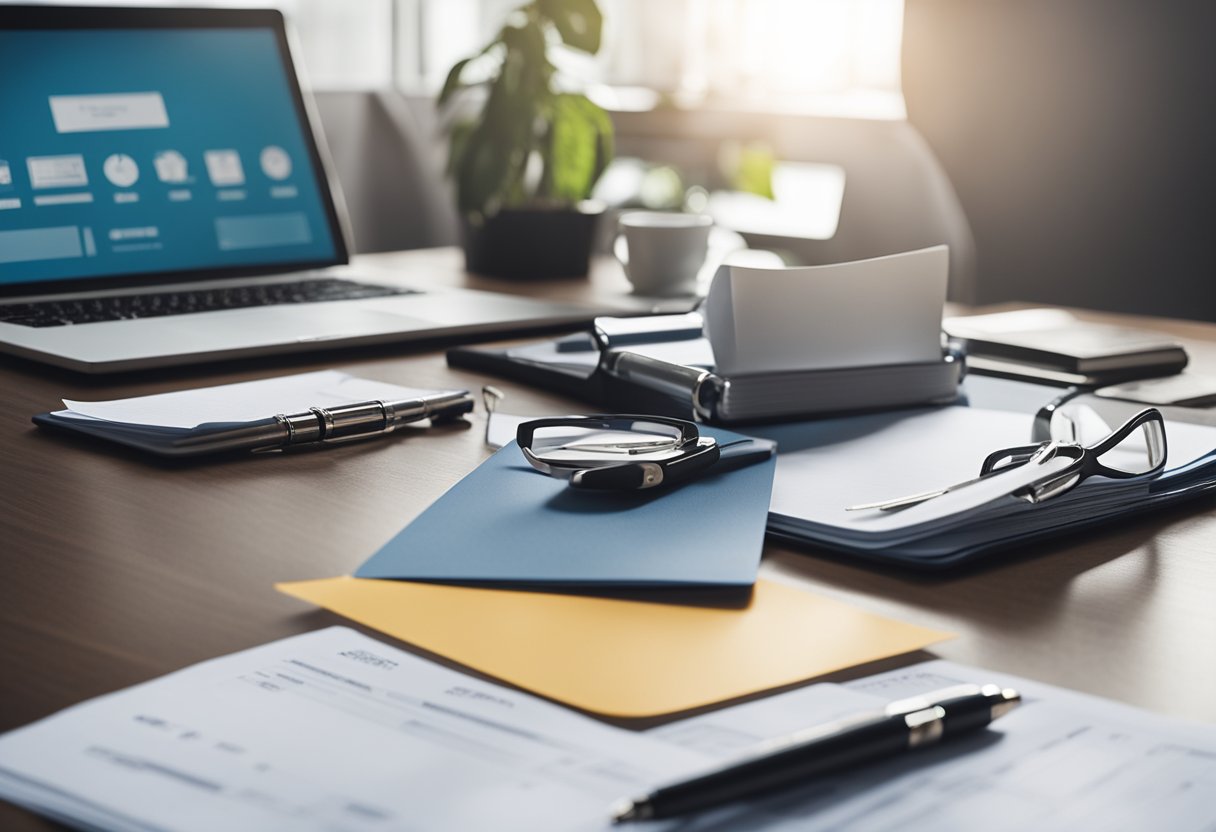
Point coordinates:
[(620, 247)]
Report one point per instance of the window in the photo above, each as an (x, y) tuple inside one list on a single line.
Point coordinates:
[(831, 57), (837, 57)]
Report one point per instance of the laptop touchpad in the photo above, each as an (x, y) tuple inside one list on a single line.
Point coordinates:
[(311, 322), (335, 323)]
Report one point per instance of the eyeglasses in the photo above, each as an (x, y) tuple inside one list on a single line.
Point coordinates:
[(1135, 449), (616, 452)]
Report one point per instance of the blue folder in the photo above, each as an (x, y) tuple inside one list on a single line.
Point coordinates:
[(506, 523)]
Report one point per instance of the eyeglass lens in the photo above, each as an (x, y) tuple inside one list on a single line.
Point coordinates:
[(1139, 452), (645, 440)]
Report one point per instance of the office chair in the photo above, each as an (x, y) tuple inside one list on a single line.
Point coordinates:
[(388, 160), (896, 196)]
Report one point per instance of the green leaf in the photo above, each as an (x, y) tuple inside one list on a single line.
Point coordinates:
[(483, 175), (754, 173), (458, 139), (527, 59), (496, 150), (605, 144), (452, 83), (576, 156), (488, 158), (579, 22)]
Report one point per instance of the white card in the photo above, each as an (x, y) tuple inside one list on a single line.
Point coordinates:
[(887, 310)]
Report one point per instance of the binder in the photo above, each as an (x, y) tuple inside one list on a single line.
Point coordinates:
[(641, 377), (758, 397)]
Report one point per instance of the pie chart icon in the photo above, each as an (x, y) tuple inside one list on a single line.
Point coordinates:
[(276, 163), (121, 170)]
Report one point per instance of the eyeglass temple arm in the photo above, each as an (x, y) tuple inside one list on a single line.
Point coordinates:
[(638, 475), (1019, 455)]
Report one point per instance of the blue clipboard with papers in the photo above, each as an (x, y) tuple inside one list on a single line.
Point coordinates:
[(825, 468)]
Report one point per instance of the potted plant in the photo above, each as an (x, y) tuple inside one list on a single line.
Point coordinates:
[(525, 164)]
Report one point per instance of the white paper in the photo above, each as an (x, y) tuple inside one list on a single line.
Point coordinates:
[(886, 310), (328, 731), (1061, 762), (244, 402), (333, 730), (884, 456)]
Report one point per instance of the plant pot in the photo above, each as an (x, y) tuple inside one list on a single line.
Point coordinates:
[(533, 243)]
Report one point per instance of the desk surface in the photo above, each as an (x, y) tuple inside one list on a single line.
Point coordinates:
[(117, 569)]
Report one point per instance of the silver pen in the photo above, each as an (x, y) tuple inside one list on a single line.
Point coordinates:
[(329, 424)]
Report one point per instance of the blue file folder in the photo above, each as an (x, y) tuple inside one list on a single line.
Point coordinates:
[(506, 523)]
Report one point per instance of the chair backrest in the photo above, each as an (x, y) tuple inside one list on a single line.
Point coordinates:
[(896, 195), (387, 158)]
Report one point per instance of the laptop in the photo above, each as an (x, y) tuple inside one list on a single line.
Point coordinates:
[(163, 200)]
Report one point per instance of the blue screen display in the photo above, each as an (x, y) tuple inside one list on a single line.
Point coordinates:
[(158, 150)]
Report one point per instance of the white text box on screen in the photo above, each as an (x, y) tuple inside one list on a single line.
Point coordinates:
[(120, 111), (57, 171)]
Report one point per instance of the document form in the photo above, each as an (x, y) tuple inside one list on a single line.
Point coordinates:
[(335, 731), (1061, 762), (331, 731)]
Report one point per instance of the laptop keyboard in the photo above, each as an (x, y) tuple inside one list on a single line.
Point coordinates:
[(131, 307)]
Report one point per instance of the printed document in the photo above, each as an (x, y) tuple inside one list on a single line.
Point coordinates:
[(333, 730)]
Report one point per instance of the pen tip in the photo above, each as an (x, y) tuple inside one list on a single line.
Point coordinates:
[(1007, 700), (624, 811)]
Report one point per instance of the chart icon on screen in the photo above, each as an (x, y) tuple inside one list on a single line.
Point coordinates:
[(121, 170), (171, 167), (276, 163)]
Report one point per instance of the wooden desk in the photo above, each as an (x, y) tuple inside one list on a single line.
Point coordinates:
[(117, 569)]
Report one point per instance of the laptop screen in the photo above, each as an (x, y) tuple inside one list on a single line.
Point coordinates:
[(154, 151)]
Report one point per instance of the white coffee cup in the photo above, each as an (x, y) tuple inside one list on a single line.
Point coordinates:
[(662, 252)]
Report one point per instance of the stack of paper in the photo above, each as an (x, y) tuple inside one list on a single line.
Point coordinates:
[(336, 731), (825, 467), (885, 310)]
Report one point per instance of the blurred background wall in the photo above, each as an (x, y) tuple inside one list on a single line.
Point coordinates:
[(1080, 137)]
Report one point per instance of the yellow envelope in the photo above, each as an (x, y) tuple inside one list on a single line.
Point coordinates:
[(623, 658)]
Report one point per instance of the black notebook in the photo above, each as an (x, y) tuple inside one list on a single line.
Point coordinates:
[(1027, 341)]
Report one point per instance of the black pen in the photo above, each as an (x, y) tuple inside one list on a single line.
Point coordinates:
[(902, 726)]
